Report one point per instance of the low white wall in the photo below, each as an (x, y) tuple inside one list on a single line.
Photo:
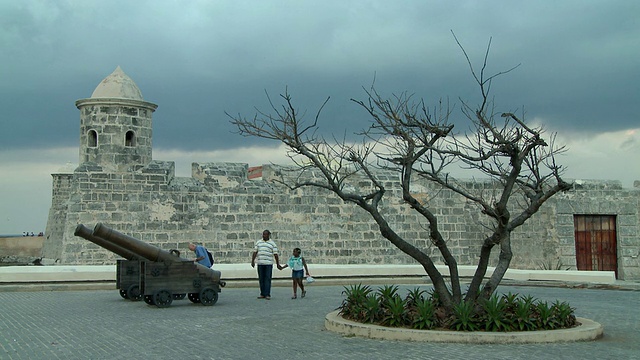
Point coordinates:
[(76, 273)]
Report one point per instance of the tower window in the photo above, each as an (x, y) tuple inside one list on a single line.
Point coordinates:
[(130, 138), (92, 138)]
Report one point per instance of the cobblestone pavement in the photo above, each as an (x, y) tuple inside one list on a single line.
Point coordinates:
[(101, 325)]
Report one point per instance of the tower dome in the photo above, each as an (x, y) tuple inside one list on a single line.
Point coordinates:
[(117, 85), (116, 125)]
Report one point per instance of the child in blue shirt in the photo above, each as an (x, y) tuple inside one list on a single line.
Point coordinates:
[(298, 268)]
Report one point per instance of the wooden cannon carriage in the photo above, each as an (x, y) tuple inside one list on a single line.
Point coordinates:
[(152, 274)]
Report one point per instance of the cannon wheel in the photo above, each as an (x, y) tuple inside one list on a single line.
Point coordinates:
[(208, 296), (162, 298), (179, 296), (148, 299), (133, 293), (123, 293), (194, 297)]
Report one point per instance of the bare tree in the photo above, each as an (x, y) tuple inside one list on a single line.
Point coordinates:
[(418, 142)]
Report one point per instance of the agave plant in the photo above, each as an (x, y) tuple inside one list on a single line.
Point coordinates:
[(464, 317), (414, 296), (355, 297), (495, 315), (528, 299), (546, 317), (510, 301), (387, 292), (394, 312), (523, 317), (371, 309), (435, 297), (424, 316), (563, 312)]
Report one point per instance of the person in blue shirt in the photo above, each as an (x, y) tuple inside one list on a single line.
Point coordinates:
[(298, 268), (201, 254)]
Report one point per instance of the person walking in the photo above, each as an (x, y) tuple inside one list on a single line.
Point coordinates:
[(201, 254), (298, 268), (265, 251)]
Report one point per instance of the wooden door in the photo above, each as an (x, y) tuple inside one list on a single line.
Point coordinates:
[(596, 242)]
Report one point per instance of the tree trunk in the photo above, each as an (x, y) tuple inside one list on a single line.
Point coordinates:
[(503, 265)]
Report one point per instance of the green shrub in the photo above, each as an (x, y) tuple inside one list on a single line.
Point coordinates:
[(508, 312), (424, 315), (387, 292), (564, 314), (546, 317), (352, 305), (414, 296), (393, 313), (464, 317), (495, 315), (510, 301), (372, 309), (523, 318), (435, 297)]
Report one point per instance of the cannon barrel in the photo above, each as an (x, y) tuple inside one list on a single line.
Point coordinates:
[(85, 232), (134, 245), (145, 250)]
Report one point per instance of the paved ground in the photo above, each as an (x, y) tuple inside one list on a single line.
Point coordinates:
[(101, 325)]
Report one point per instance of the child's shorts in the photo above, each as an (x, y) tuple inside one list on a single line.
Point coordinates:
[(297, 274)]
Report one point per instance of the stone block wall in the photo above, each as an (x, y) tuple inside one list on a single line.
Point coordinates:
[(219, 207), (56, 222)]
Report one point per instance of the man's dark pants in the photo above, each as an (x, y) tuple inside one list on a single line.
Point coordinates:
[(264, 277)]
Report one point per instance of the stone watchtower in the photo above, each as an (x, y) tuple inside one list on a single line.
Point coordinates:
[(115, 138), (116, 125)]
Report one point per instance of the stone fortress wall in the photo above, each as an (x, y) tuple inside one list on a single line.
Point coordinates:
[(222, 208)]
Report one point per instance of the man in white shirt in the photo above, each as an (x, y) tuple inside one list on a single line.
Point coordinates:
[(265, 251)]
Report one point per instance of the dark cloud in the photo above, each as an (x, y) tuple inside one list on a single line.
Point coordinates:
[(579, 74), (578, 61)]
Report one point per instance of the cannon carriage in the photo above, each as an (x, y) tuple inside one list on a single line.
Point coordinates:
[(128, 279), (162, 282), (154, 275)]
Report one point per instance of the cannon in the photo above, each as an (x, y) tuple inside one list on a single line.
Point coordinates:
[(127, 271), (161, 276), (86, 233)]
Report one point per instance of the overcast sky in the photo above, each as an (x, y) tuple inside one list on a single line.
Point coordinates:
[(579, 75)]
